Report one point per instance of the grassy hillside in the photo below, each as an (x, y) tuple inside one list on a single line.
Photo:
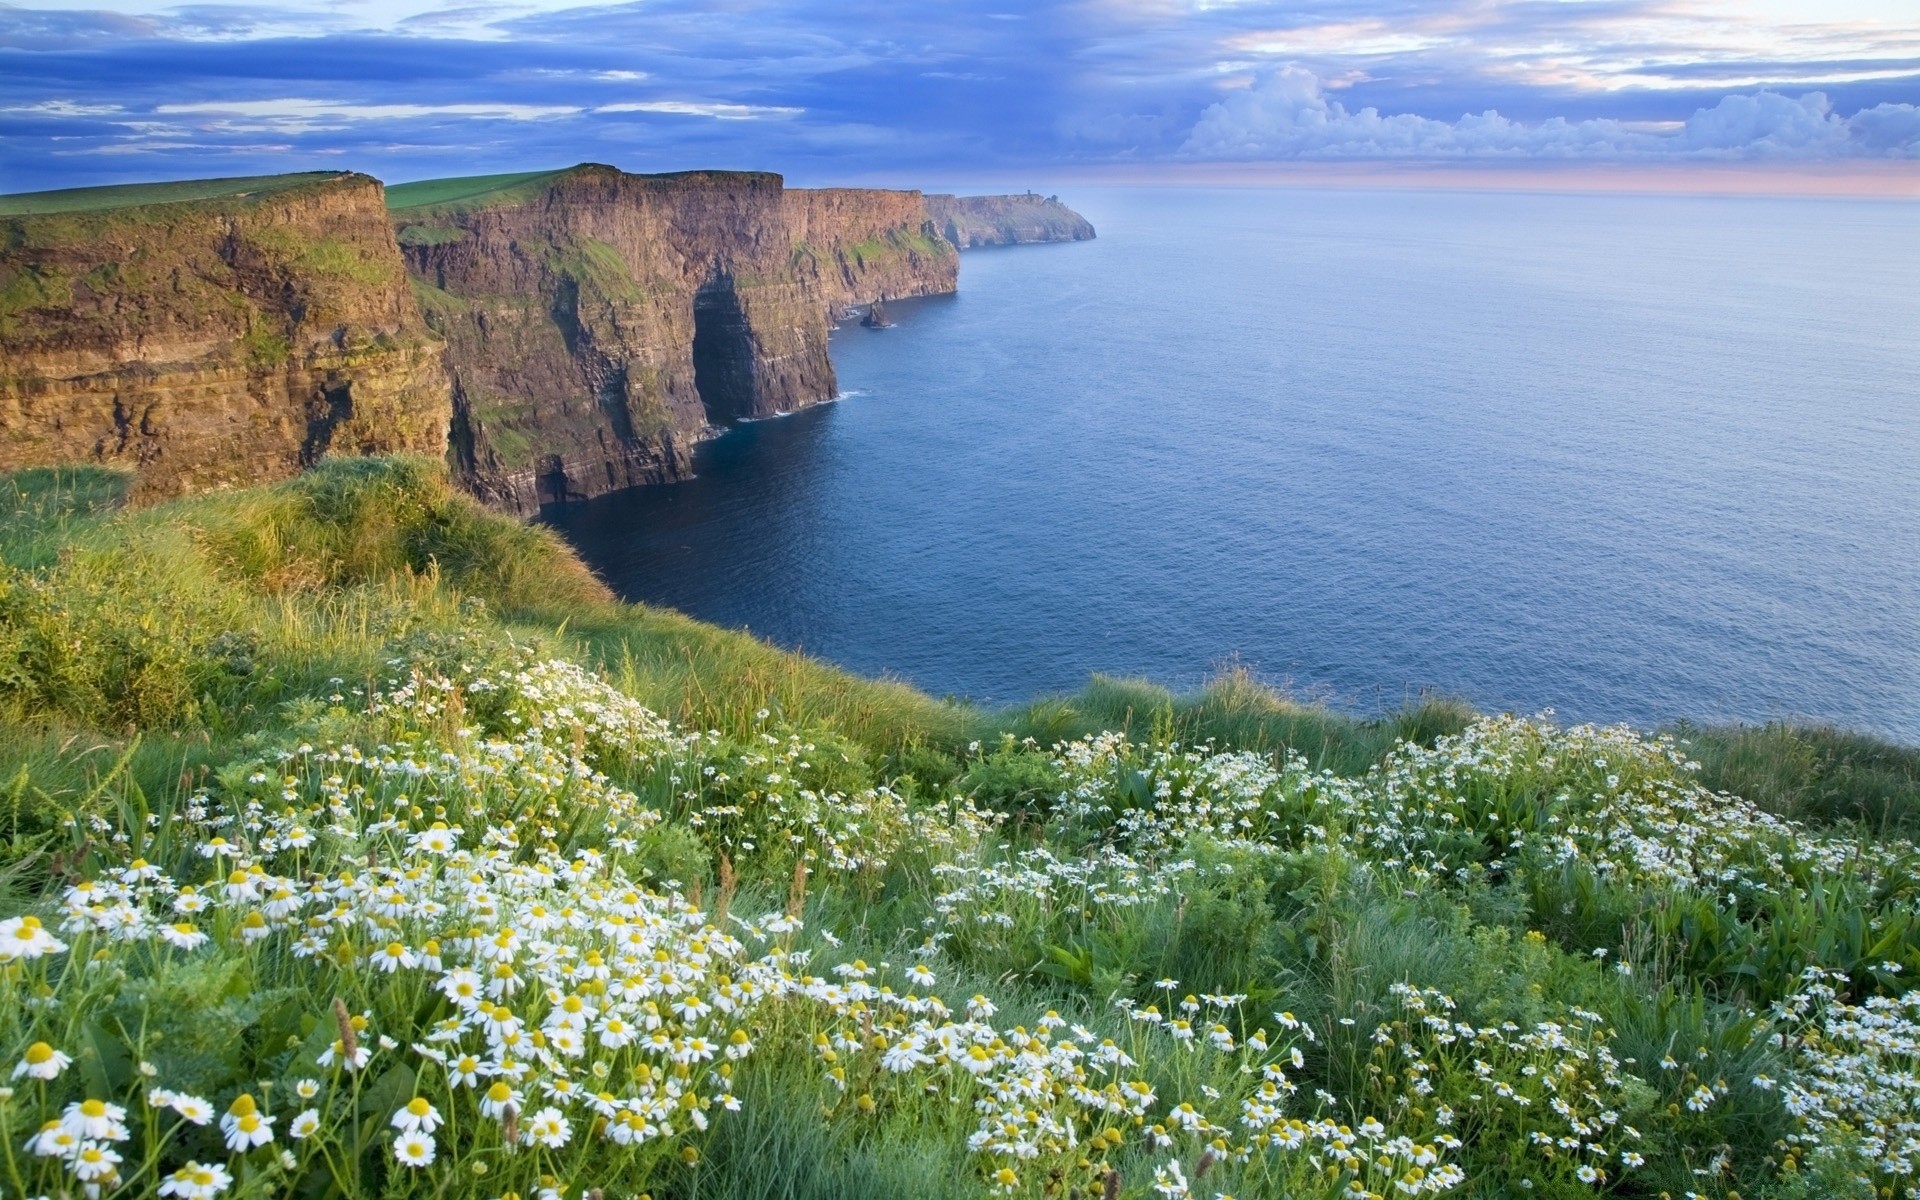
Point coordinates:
[(406, 861), (96, 199), (471, 190)]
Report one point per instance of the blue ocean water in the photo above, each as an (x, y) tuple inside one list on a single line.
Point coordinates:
[(1627, 458)]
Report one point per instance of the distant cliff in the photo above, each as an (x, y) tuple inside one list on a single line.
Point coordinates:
[(557, 334), (970, 221), (598, 323), (210, 334)]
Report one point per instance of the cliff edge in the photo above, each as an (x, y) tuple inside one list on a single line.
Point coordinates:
[(598, 323), (212, 333), (973, 221)]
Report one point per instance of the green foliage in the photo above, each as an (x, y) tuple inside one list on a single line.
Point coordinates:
[(1813, 773), (265, 349), (1259, 855), (1013, 777), (29, 288), (430, 235), (596, 267)]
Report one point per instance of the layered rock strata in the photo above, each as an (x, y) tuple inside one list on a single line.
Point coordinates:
[(973, 221), (558, 334), (598, 323), (225, 339)]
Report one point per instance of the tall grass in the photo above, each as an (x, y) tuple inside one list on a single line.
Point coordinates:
[(147, 655), (203, 617)]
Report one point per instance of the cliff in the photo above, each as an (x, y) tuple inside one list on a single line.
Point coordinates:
[(209, 334), (971, 221), (598, 324)]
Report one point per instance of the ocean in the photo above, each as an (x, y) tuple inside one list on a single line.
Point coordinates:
[(1627, 458)]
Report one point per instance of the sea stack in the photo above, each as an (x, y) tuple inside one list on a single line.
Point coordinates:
[(876, 317)]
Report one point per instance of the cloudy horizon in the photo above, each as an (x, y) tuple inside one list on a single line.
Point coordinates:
[(974, 89)]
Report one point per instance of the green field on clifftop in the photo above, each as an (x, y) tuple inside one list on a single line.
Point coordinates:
[(96, 199), (382, 829), (470, 191)]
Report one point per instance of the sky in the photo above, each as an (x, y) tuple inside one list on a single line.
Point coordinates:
[(917, 93)]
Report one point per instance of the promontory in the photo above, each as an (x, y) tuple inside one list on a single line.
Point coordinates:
[(555, 334)]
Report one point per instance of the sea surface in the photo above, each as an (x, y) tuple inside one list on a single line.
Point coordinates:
[(1625, 458)]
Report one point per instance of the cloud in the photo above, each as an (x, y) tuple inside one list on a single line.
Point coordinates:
[(703, 108), (1287, 114), (826, 90), (301, 111)]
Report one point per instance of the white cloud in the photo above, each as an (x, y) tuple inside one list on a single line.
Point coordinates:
[(65, 108), (1891, 129), (703, 108), (300, 110), (1287, 114)]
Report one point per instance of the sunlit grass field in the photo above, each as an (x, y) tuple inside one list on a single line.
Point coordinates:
[(356, 842)]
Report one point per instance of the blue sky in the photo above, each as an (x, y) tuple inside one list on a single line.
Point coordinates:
[(911, 92)]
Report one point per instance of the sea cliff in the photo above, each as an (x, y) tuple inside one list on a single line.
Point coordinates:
[(974, 221), (557, 334), (598, 323), (212, 334)]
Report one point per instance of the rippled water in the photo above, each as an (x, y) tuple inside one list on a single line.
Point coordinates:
[(1628, 458)]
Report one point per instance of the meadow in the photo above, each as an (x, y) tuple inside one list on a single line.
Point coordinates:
[(355, 842)]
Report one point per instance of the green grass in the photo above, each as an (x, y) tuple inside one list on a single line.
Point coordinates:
[(316, 571), (430, 235), (471, 191), (146, 654), (97, 199)]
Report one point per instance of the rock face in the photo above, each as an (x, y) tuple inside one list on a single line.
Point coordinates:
[(972, 221), (557, 334), (209, 335), (598, 324), (876, 317)]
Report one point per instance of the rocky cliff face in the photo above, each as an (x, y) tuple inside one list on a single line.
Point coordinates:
[(229, 338), (972, 221), (598, 323)]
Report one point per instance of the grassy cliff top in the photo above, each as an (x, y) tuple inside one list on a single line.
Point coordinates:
[(131, 195), (472, 190), (469, 192)]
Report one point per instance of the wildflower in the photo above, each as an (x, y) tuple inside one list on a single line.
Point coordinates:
[(23, 937), (305, 1124), (42, 1061), (191, 1108), (55, 1140), (196, 1182), (183, 935), (95, 1163), (245, 1126), (496, 1100), (548, 1127), (413, 1150), (417, 1115), (1006, 1180), (392, 957), (95, 1120)]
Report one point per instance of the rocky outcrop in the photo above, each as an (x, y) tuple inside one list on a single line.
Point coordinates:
[(225, 339), (972, 221), (598, 324), (876, 317)]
